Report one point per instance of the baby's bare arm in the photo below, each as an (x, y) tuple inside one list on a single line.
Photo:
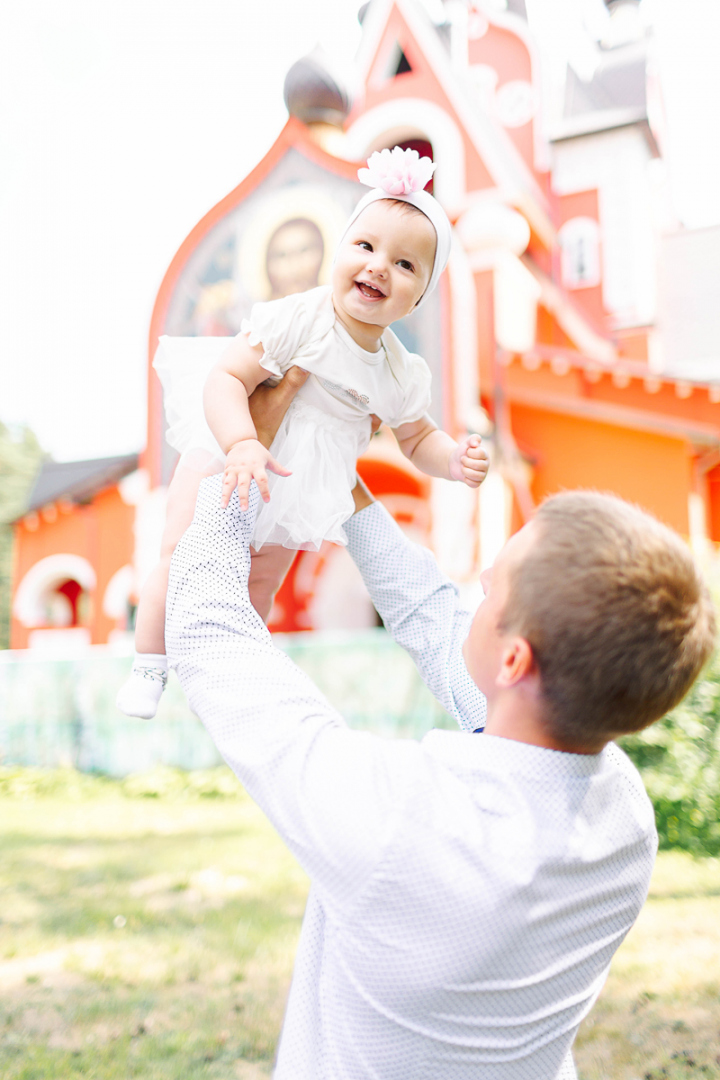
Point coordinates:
[(436, 454), (227, 389)]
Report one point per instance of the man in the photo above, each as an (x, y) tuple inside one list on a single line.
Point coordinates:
[(470, 890)]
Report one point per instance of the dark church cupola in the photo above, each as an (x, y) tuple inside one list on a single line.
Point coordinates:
[(313, 93)]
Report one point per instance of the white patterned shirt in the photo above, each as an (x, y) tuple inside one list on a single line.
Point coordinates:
[(468, 891)]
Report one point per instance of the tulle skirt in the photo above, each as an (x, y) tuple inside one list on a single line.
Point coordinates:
[(183, 365), (311, 505), (304, 509)]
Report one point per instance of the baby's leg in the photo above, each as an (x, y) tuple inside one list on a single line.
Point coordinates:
[(140, 694), (268, 568)]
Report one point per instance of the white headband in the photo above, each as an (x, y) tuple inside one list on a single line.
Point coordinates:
[(402, 175)]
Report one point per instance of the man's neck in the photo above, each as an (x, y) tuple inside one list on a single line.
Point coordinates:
[(521, 719)]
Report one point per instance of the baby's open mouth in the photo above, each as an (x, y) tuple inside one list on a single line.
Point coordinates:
[(369, 290)]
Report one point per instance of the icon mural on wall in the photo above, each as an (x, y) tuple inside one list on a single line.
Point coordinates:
[(270, 246)]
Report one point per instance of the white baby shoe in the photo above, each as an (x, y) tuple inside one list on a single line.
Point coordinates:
[(140, 693)]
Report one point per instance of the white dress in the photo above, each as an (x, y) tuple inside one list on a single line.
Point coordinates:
[(327, 426)]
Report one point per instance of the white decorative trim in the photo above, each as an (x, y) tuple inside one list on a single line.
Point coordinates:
[(60, 644), (412, 118), (516, 103), (118, 592), (373, 29), (134, 487), (697, 527), (489, 223), (593, 123), (508, 20), (579, 240), (464, 350), (516, 293), (28, 606), (495, 517)]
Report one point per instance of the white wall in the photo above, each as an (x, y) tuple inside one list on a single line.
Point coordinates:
[(618, 164)]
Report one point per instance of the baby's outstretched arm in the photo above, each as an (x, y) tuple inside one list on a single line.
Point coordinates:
[(436, 454), (227, 390)]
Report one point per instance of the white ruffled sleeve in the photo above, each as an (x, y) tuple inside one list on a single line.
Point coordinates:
[(412, 375), (286, 327), (418, 390)]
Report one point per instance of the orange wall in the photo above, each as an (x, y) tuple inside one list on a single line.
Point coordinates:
[(651, 470), (101, 532), (713, 495)]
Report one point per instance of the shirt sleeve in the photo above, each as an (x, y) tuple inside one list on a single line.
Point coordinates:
[(334, 795), (413, 375), (420, 609), (286, 327), (418, 391)]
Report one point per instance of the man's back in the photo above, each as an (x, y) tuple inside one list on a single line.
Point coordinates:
[(508, 878)]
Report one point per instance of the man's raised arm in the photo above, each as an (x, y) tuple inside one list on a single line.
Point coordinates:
[(334, 795), (418, 605)]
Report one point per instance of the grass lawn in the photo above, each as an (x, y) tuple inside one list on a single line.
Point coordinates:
[(148, 929), (658, 1017)]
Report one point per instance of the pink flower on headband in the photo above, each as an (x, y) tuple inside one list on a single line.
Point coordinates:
[(397, 171)]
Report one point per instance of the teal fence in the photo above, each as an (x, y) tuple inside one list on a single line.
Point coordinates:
[(62, 711)]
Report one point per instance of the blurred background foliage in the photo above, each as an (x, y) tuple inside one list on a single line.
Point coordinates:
[(679, 758)]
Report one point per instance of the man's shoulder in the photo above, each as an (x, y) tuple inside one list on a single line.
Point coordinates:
[(631, 779)]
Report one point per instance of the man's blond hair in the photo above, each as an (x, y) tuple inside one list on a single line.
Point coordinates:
[(617, 614)]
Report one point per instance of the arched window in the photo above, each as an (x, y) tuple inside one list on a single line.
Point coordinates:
[(580, 253), (54, 591)]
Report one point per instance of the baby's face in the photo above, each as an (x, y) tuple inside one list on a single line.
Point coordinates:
[(383, 264)]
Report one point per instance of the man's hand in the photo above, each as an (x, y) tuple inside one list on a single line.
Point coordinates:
[(268, 404), (246, 461), (361, 496), (469, 462)]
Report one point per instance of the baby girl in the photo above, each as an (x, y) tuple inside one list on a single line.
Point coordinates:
[(395, 246)]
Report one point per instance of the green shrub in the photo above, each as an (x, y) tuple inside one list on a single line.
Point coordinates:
[(163, 782), (679, 759)]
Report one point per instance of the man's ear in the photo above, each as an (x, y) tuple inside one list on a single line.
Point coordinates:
[(516, 662)]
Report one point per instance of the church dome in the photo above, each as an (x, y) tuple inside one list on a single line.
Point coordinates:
[(313, 93)]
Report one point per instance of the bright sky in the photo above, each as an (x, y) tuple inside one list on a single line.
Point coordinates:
[(122, 123)]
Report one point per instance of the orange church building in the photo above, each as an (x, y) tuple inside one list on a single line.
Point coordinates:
[(73, 555), (553, 332)]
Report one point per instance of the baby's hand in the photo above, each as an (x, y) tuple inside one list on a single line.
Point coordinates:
[(469, 462), (246, 461)]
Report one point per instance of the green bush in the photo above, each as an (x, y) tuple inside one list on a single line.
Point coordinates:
[(163, 782), (679, 759)]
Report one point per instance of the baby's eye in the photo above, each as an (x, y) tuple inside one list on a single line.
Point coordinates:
[(365, 244), (405, 264)]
